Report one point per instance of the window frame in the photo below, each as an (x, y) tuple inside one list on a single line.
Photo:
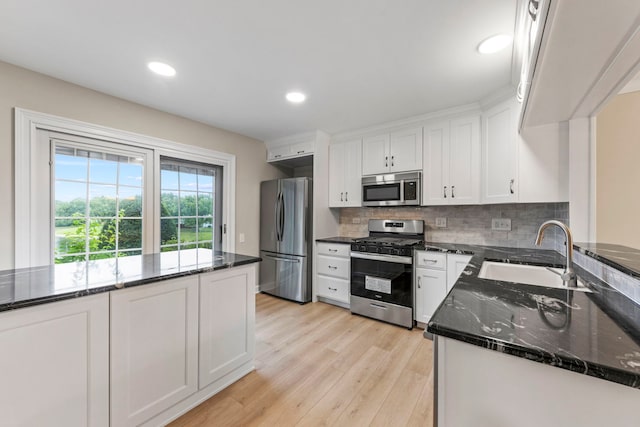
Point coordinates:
[(30, 220), (157, 172), (148, 188)]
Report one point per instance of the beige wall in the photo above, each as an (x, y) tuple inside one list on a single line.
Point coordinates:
[(618, 171), (33, 91)]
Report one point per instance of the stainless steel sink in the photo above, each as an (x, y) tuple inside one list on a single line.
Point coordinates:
[(527, 274)]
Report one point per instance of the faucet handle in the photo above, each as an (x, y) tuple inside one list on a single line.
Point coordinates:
[(567, 276)]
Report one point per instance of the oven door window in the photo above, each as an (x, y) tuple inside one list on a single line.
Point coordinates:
[(381, 192), (382, 281)]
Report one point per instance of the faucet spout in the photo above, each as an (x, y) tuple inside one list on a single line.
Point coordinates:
[(568, 275)]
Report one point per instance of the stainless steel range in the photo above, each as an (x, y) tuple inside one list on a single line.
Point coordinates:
[(382, 271)]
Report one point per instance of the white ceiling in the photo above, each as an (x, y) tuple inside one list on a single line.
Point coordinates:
[(361, 62)]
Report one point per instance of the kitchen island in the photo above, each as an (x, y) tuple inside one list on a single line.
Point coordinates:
[(126, 341), (489, 335)]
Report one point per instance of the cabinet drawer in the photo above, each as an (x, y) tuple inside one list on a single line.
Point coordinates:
[(302, 148), (334, 249), (335, 289), (277, 153), (435, 260), (332, 266)]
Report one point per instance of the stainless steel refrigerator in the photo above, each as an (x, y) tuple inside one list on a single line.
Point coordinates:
[(285, 238)]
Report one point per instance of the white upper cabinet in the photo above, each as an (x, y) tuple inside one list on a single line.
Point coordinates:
[(464, 160), (299, 145), (405, 149), (375, 155), (435, 178), (399, 151), (345, 174), (500, 154), (533, 168), (451, 160)]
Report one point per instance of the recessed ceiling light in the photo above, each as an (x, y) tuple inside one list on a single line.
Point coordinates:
[(296, 97), (162, 69), (495, 43)]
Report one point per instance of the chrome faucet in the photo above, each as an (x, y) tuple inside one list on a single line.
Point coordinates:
[(568, 276)]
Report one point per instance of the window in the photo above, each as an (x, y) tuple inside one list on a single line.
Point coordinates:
[(86, 192), (97, 204), (190, 206)]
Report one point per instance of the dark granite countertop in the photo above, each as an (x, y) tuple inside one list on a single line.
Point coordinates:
[(594, 333), (40, 285), (337, 239), (619, 257)]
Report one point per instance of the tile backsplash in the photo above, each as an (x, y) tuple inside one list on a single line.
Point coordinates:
[(469, 224)]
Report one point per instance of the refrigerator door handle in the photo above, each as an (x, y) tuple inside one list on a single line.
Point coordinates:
[(282, 216), (277, 217), (282, 259), (277, 211)]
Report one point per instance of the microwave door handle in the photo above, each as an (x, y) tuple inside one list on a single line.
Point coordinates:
[(402, 190)]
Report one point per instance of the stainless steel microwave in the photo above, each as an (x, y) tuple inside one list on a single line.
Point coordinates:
[(400, 189)]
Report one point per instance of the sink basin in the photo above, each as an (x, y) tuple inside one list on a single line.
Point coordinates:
[(527, 274)]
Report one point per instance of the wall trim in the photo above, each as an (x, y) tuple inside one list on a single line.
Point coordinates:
[(27, 123), (419, 120)]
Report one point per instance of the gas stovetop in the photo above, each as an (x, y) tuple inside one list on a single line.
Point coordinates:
[(393, 237), (386, 245), (388, 241)]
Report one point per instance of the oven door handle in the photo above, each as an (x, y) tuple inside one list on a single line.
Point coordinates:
[(382, 257)]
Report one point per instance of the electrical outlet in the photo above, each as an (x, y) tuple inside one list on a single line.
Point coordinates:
[(501, 224), (355, 220), (441, 222)]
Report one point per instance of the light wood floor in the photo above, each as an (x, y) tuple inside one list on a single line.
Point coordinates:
[(317, 364)]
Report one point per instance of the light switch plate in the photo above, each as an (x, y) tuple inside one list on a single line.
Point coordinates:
[(241, 238), (501, 224), (441, 222)]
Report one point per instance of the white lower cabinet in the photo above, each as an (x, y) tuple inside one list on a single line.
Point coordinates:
[(430, 283), (54, 364), (435, 275), (455, 266), (154, 348), (227, 319), (431, 288), (333, 272)]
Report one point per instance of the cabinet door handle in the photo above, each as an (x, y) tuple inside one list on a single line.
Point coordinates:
[(432, 261), (453, 191), (445, 192), (332, 267), (300, 152), (333, 289), (277, 156), (511, 186), (533, 9), (333, 250), (392, 160), (386, 161), (419, 282), (341, 196), (346, 196)]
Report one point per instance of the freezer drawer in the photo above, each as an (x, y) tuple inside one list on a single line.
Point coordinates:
[(285, 276)]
